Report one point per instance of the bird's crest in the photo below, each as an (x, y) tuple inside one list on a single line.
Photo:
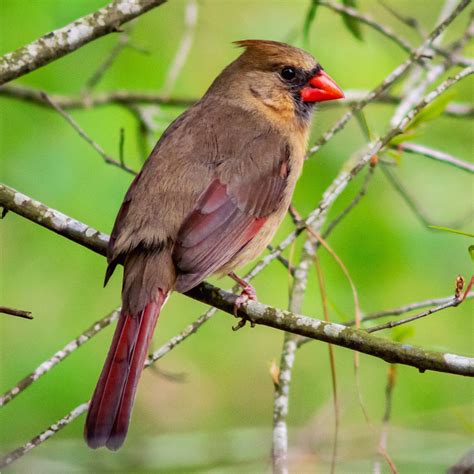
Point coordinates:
[(273, 49)]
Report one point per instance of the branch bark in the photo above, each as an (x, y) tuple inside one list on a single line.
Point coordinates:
[(63, 41)]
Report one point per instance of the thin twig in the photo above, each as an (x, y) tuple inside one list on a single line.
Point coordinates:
[(405, 194), (367, 20), (58, 357), (455, 301), (362, 192), (43, 436), (407, 20), (391, 379), (437, 155), (20, 313), (70, 102), (121, 147), (97, 75), (406, 308), (108, 159), (190, 22)]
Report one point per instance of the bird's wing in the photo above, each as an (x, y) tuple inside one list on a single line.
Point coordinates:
[(230, 212)]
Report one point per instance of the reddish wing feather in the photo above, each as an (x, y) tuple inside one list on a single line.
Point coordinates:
[(225, 219), (211, 235)]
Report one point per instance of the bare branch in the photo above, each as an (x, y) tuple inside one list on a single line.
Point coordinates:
[(280, 406), (127, 98), (281, 395), (97, 75), (178, 339), (391, 379), (452, 303), (420, 214), (118, 97), (63, 41), (108, 159), (337, 334), (56, 221), (42, 437), (406, 308), (20, 313), (362, 192), (190, 21), (436, 155), (366, 19)]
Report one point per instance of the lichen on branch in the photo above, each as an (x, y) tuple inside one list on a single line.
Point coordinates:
[(64, 40)]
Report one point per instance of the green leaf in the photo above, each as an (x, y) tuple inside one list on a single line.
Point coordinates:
[(471, 252), (432, 111), (352, 24), (402, 333), (406, 136), (310, 16), (452, 231), (415, 128)]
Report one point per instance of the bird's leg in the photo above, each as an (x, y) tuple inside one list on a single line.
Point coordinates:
[(248, 293)]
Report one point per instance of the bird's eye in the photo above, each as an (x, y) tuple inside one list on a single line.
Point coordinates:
[(288, 73)]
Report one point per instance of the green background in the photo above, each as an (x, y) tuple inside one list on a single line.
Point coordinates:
[(219, 419)]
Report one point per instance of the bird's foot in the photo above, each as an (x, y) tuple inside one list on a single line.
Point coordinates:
[(248, 293)]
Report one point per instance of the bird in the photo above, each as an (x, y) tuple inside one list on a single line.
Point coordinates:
[(208, 200)]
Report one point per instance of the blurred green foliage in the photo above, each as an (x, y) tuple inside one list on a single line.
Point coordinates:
[(219, 420)]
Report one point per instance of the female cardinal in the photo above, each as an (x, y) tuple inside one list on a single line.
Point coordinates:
[(208, 199)]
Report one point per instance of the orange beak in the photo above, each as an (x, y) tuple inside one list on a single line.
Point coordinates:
[(321, 88)]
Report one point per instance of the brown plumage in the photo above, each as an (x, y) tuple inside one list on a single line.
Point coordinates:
[(208, 200)]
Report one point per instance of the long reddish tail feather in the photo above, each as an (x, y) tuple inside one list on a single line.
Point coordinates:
[(110, 409)]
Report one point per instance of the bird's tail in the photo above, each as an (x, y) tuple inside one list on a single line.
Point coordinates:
[(111, 405)]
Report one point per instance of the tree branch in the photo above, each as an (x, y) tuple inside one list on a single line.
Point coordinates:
[(281, 395), (51, 219), (436, 155), (452, 303), (118, 97), (63, 41), (367, 20), (43, 436), (258, 313), (127, 98), (20, 313), (406, 308)]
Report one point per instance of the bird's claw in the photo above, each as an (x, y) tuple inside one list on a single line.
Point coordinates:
[(248, 293), (243, 322)]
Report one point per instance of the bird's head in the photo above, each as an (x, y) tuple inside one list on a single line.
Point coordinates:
[(282, 81)]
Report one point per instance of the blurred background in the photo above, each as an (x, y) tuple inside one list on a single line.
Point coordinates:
[(207, 406)]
